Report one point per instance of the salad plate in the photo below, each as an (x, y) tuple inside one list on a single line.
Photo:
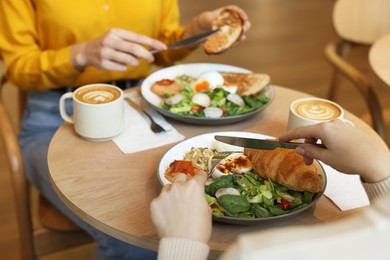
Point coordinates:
[(194, 70), (178, 152)]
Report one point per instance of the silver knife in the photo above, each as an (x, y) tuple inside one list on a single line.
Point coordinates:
[(261, 144), (188, 41)]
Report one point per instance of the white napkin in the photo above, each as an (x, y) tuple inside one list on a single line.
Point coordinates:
[(137, 135), (346, 191)]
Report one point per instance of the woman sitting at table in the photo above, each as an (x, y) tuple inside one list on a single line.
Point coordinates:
[(182, 216), (50, 47)]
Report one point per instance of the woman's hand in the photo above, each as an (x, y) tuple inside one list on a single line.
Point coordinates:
[(204, 22), (348, 149), (114, 50), (181, 209)]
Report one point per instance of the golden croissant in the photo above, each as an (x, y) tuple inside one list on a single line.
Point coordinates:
[(286, 167)]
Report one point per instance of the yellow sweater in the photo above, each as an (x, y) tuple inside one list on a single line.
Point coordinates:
[(36, 35)]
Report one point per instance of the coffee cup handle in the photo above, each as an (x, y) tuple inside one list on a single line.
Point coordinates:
[(62, 106), (347, 121)]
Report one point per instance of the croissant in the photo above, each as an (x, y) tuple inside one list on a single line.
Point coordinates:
[(286, 167)]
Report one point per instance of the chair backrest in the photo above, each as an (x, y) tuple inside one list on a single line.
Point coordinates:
[(361, 21), (361, 83), (34, 242), (20, 185), (358, 22)]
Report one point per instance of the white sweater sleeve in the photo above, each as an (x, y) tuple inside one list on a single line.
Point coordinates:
[(378, 189), (172, 248)]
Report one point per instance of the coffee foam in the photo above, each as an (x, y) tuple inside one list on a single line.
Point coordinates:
[(97, 94), (317, 110)]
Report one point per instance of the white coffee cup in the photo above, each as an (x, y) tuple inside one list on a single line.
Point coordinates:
[(309, 111), (98, 111)]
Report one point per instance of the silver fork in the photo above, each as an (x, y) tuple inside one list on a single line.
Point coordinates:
[(156, 128), (217, 158)]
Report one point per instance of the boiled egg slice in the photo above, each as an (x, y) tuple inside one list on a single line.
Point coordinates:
[(208, 80), (201, 86), (235, 163)]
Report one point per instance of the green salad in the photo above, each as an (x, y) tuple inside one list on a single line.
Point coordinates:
[(250, 196), (198, 99)]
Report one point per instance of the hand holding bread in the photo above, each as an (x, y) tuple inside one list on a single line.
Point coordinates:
[(230, 27), (232, 21)]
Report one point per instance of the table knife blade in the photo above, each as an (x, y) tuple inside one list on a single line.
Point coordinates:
[(188, 41), (261, 144)]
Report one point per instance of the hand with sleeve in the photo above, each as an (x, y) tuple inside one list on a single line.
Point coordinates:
[(114, 50), (181, 209), (204, 21), (348, 149)]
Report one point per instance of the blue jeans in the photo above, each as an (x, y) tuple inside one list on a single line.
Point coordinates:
[(40, 122)]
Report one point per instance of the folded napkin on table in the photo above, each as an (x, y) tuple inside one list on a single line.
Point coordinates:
[(346, 191), (137, 135)]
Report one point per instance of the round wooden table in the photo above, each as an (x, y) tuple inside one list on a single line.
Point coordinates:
[(379, 57), (112, 191)]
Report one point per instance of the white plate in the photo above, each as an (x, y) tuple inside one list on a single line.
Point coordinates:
[(195, 70), (178, 151)]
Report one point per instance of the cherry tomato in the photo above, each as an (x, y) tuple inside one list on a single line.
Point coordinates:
[(223, 109), (284, 204)]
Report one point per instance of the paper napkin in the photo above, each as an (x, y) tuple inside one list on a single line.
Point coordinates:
[(346, 191), (137, 135)]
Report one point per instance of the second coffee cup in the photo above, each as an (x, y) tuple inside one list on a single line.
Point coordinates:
[(309, 111), (98, 111)]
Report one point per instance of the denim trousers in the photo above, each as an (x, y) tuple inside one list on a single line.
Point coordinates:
[(39, 123)]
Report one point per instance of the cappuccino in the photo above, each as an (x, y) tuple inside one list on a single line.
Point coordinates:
[(316, 109), (97, 94), (98, 111), (309, 111)]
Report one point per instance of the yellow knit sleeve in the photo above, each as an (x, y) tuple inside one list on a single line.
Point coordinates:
[(171, 32), (27, 66)]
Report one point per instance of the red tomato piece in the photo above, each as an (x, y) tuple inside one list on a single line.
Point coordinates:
[(183, 166), (284, 204), (165, 82)]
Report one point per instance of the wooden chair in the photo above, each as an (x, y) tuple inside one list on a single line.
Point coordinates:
[(358, 22), (57, 232)]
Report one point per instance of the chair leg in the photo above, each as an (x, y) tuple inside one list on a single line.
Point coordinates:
[(343, 49), (50, 217)]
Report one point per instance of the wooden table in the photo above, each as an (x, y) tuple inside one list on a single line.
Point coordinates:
[(379, 57), (112, 191)]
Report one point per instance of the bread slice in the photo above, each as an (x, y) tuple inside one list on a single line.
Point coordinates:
[(230, 29), (248, 84)]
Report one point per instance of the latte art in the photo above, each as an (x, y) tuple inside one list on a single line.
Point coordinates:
[(98, 95), (317, 110)]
